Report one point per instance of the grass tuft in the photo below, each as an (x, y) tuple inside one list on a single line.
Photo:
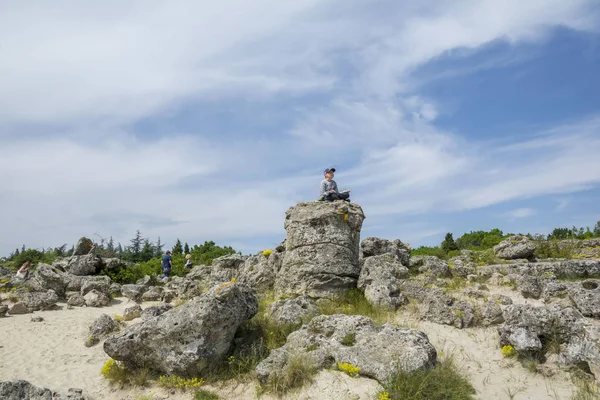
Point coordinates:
[(118, 374), (298, 372), (353, 302), (349, 339), (205, 395), (443, 382)]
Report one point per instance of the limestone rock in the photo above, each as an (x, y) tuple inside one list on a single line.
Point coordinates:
[(186, 340), (45, 277), (584, 347), (515, 247), (133, 292), (447, 311), (95, 298), (114, 290), (529, 287), (83, 246), (492, 314), (373, 246), (18, 308), (131, 313), (89, 264), (152, 294), (155, 311), (322, 249), (586, 297), (103, 325), (379, 279), (100, 283), (258, 273), (145, 281), (379, 351), (35, 301), (294, 311), (76, 300), (431, 265), (3, 310), (167, 296), (502, 299), (19, 390), (37, 319)]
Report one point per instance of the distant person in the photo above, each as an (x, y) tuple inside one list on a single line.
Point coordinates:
[(329, 189), (167, 265), (188, 261), (23, 272)]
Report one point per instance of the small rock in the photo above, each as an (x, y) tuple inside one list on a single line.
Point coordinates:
[(37, 319), (115, 290), (103, 325), (3, 310), (76, 300), (152, 294), (492, 314), (96, 298), (145, 281), (131, 313), (501, 299), (133, 292), (168, 295), (529, 287), (18, 308)]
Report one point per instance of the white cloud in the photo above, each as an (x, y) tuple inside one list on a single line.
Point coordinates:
[(521, 213), (83, 73)]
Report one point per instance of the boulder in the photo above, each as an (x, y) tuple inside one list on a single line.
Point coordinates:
[(431, 265), (380, 280), (100, 283), (529, 287), (84, 265), (76, 300), (37, 319), (373, 246), (19, 390), (35, 301), (95, 298), (3, 310), (45, 277), (447, 311), (114, 290), (586, 297), (83, 246), (18, 308), (258, 273), (187, 339), (133, 292), (276, 260), (491, 314), (155, 311), (152, 294), (167, 296), (525, 326), (379, 351), (145, 281), (322, 249), (584, 348), (294, 311), (100, 328), (515, 247), (131, 313), (114, 263)]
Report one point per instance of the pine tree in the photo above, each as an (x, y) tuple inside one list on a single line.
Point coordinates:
[(449, 244), (136, 245), (110, 247), (119, 250), (186, 248), (158, 249), (147, 252), (177, 249)]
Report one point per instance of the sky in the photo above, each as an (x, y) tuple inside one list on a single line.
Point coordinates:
[(207, 121)]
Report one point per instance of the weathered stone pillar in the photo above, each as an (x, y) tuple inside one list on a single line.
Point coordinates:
[(322, 249)]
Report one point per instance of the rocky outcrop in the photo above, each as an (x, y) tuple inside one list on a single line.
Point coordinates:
[(529, 287), (586, 297), (258, 273), (294, 311), (46, 277), (322, 249), (445, 310), (526, 327), (379, 351), (187, 339), (515, 247), (155, 311), (100, 283), (381, 273)]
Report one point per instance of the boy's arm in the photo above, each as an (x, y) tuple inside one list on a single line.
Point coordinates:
[(323, 188)]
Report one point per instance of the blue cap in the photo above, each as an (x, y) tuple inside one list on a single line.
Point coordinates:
[(329, 170)]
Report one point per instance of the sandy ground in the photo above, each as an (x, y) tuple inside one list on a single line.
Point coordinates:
[(52, 354)]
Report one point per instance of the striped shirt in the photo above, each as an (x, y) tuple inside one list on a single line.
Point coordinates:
[(326, 186)]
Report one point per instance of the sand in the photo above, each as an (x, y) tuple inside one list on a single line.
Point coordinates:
[(52, 354)]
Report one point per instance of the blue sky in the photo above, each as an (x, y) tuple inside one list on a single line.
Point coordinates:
[(206, 121)]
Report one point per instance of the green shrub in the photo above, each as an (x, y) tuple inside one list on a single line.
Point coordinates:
[(349, 339), (298, 371), (353, 302), (429, 251), (117, 373), (443, 382), (554, 249), (205, 395)]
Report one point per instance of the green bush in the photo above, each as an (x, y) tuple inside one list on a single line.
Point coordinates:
[(443, 382), (428, 251)]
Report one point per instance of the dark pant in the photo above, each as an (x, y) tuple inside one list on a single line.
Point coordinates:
[(166, 273), (337, 196)]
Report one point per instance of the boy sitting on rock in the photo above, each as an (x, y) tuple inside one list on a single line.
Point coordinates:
[(329, 189)]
